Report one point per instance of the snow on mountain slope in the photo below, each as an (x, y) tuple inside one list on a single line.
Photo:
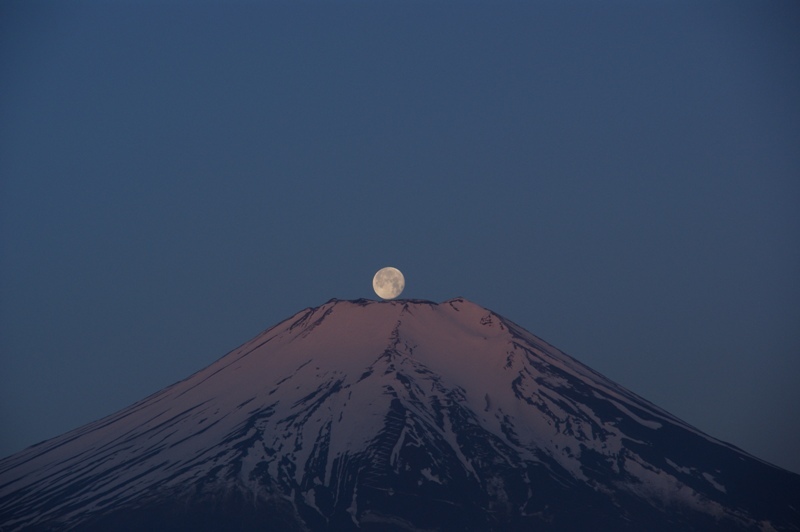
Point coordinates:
[(406, 414)]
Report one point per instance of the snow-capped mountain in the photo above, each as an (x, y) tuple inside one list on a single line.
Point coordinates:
[(398, 415)]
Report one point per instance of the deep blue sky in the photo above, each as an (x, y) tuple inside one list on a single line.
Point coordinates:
[(620, 178)]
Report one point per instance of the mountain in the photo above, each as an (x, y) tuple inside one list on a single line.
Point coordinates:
[(399, 415)]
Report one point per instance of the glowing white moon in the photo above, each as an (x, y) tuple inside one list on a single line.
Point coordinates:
[(388, 283)]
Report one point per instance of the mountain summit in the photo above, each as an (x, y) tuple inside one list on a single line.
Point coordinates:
[(398, 415)]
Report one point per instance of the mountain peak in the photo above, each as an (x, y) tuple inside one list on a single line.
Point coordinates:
[(405, 414)]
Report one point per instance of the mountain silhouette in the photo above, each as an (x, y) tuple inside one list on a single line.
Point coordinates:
[(395, 415)]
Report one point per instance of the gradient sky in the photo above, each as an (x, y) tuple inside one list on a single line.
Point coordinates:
[(620, 178)]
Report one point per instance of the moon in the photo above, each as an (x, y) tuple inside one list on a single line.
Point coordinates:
[(388, 283)]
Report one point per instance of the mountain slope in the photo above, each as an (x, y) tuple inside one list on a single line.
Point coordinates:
[(405, 415)]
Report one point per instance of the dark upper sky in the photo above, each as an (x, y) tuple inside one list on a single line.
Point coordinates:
[(619, 178)]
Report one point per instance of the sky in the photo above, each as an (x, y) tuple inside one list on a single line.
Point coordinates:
[(619, 178)]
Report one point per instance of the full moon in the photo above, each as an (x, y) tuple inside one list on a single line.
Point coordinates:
[(388, 283)]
